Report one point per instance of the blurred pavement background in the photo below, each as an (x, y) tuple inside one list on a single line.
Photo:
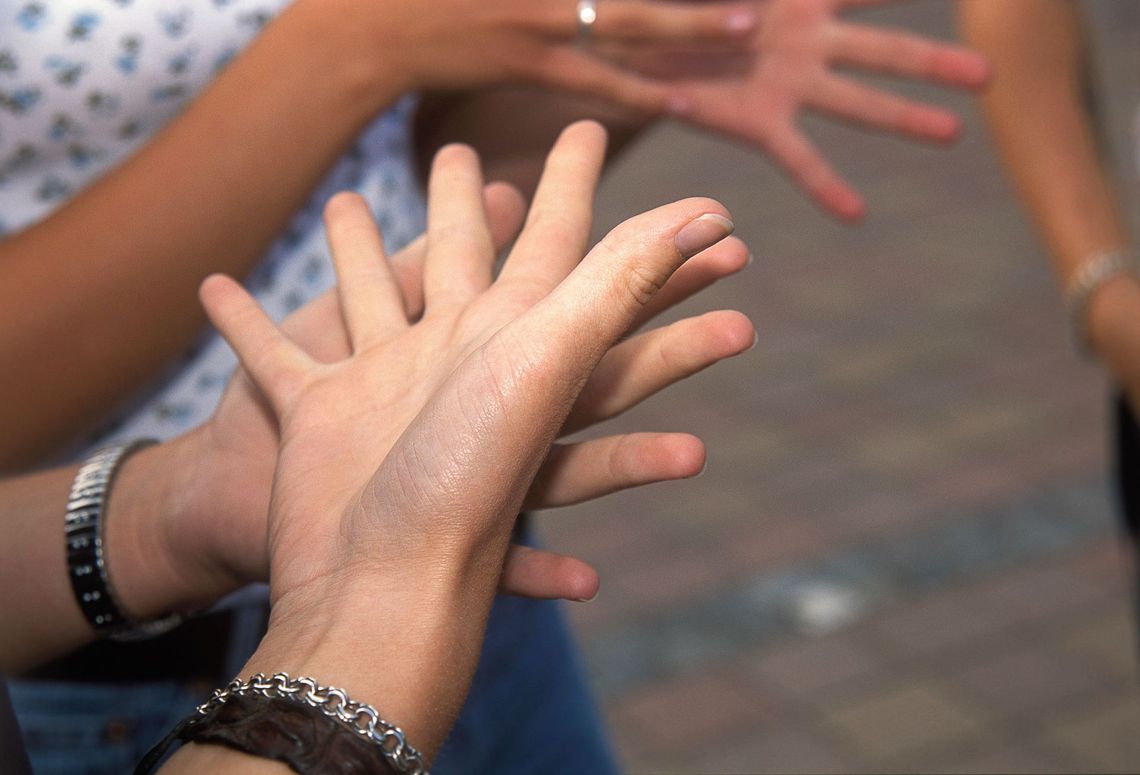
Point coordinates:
[(903, 553)]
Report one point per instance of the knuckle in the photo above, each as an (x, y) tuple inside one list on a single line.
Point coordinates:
[(641, 283)]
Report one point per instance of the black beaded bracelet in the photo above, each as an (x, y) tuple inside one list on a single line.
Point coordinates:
[(86, 565)]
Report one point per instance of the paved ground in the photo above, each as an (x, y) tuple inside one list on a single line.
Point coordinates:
[(902, 555)]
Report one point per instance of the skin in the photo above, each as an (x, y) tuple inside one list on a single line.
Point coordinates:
[(426, 531), (1044, 136), (186, 519), (797, 58), (352, 59)]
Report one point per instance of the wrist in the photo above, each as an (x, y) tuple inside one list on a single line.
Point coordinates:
[(406, 645), (1114, 325), (152, 572)]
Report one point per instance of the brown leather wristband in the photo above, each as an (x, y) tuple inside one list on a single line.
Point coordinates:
[(276, 728)]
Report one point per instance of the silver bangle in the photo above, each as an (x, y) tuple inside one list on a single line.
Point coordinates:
[(1092, 273), (86, 563), (361, 718)]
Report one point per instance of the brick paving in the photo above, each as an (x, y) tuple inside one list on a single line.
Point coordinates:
[(902, 555)]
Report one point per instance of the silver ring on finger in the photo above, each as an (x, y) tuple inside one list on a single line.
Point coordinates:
[(587, 12)]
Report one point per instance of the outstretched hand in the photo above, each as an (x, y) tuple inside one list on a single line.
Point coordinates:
[(757, 95), (388, 537), (401, 467), (238, 446)]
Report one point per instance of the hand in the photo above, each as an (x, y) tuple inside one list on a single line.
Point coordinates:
[(337, 420), (216, 534), (452, 44), (385, 555), (758, 95)]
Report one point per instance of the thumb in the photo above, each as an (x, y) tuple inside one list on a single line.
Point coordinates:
[(601, 299)]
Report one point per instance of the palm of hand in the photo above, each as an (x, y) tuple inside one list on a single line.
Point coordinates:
[(758, 96)]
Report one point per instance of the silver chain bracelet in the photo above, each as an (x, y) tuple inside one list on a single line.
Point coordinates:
[(334, 703)]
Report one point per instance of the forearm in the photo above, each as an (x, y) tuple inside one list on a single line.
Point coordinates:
[(33, 559), (512, 128), (407, 646), (105, 288), (1046, 140), (1036, 113)]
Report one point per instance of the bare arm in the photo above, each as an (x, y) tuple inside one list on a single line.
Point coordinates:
[(97, 297), (186, 520), (1044, 136), (33, 564), (424, 527)]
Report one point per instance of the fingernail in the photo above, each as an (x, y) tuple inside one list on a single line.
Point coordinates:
[(740, 21), (703, 232), (750, 259), (586, 599), (755, 339)]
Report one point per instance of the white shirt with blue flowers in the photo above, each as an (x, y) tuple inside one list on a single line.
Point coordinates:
[(84, 83)]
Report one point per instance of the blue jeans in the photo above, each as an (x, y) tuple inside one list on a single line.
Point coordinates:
[(92, 729), (528, 711)]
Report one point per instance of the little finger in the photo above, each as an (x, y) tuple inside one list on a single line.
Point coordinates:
[(811, 172), (543, 575), (574, 473)]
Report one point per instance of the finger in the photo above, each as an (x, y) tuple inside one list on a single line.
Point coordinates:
[(460, 254), (699, 272), (505, 208), (811, 172), (581, 318), (370, 299), (865, 3), (573, 69), (878, 109), (544, 575), (317, 328), (651, 21), (276, 365), (913, 56), (553, 239), (574, 473), (648, 363)]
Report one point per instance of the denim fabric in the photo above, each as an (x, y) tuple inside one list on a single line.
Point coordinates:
[(528, 711), (96, 729)]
